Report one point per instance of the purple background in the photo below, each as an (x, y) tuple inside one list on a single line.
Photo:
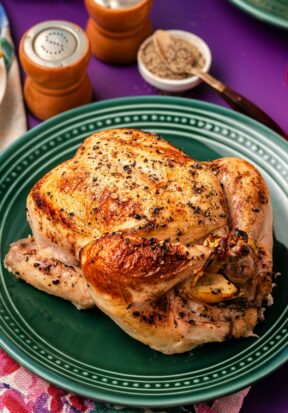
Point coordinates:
[(248, 55)]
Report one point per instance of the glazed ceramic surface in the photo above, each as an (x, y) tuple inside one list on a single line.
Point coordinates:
[(271, 11)]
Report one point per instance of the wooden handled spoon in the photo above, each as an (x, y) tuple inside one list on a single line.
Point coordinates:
[(179, 63)]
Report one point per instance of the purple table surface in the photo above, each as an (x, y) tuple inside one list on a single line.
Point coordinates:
[(248, 55)]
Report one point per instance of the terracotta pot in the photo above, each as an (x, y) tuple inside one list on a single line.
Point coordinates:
[(116, 34)]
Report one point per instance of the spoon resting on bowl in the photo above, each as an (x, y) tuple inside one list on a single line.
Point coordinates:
[(180, 63)]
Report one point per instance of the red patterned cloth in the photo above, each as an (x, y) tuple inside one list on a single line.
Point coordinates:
[(23, 392), (228, 404)]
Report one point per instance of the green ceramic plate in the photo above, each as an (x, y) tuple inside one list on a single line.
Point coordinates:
[(271, 11), (84, 351)]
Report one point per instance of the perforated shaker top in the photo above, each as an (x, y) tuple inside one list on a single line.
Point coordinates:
[(55, 43)]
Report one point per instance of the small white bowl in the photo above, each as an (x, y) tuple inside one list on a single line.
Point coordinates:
[(172, 85)]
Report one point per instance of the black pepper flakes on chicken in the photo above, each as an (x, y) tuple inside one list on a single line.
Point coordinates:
[(176, 251)]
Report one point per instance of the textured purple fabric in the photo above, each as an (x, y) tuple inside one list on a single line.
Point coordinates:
[(248, 55)]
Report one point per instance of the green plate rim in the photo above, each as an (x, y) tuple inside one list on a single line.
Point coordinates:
[(131, 400), (261, 14), (191, 102)]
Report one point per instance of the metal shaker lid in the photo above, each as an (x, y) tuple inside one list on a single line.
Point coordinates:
[(55, 43), (117, 4)]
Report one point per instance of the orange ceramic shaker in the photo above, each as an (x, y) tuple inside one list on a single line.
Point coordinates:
[(55, 54), (116, 32)]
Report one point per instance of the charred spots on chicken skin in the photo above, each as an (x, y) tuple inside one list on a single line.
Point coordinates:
[(156, 312), (197, 165), (198, 188), (156, 210), (150, 316), (161, 303), (127, 169), (40, 202), (240, 234), (262, 198), (182, 205), (195, 208)]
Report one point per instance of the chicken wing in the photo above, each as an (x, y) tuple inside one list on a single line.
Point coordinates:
[(35, 266)]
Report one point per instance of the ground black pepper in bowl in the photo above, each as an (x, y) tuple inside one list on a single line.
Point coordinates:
[(153, 62)]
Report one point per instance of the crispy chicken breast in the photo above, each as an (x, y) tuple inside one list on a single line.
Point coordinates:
[(176, 251)]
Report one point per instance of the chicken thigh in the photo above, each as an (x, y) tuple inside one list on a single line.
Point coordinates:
[(176, 251)]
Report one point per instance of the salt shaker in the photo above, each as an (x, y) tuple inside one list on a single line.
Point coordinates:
[(55, 54), (116, 28)]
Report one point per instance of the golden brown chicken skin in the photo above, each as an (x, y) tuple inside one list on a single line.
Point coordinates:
[(177, 252)]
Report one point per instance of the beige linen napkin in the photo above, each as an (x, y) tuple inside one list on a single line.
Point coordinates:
[(12, 112)]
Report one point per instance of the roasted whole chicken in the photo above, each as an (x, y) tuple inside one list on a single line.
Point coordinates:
[(176, 251)]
